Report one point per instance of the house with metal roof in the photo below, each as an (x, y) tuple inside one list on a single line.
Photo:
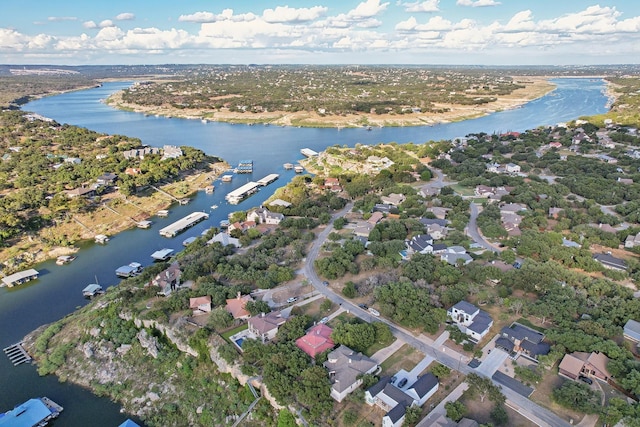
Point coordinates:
[(520, 340), (470, 320), (611, 262), (632, 330)]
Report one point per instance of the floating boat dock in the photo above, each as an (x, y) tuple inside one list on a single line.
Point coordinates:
[(92, 290), (64, 259), (144, 224), (162, 254), (226, 178), (101, 238), (245, 166), (182, 224), (20, 277), (298, 169), (288, 166), (130, 270), (308, 152), (17, 355), (163, 213), (209, 189), (268, 179), (33, 412), (188, 241), (236, 196)]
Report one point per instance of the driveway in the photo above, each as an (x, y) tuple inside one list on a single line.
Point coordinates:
[(493, 361)]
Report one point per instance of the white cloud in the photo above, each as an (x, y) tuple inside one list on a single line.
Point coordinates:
[(198, 17), (61, 18), (422, 6), (106, 23), (367, 9), (89, 24), (125, 16), (477, 3), (289, 14)]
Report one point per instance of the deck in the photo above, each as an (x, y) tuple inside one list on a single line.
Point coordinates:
[(182, 224)]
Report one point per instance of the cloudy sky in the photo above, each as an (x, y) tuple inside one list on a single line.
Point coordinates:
[(491, 32)]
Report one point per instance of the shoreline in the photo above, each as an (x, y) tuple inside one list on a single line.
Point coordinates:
[(34, 249), (537, 88)]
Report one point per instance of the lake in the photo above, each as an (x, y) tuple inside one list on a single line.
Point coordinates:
[(58, 291)]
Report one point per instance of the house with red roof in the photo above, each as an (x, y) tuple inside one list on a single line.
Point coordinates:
[(317, 340), (200, 305), (237, 306)]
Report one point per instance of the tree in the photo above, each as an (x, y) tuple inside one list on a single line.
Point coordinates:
[(326, 305), (578, 396), (286, 419), (455, 410), (412, 415), (257, 307), (499, 414), (349, 290), (357, 336), (220, 319), (483, 387), (441, 371)]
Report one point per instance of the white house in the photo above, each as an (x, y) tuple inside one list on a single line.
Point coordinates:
[(422, 243), (264, 216), (470, 320), (265, 326), (632, 241), (346, 368)]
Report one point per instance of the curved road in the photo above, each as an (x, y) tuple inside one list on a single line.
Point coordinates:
[(473, 231), (450, 358)]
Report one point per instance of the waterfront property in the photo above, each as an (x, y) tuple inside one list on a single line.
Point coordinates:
[(308, 152), (180, 225), (144, 224), (101, 238), (236, 196), (20, 277), (33, 412)]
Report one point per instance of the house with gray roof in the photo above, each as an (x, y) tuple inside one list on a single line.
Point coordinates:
[(265, 327), (422, 243), (632, 330), (395, 401), (346, 368), (518, 339), (611, 262), (470, 320)]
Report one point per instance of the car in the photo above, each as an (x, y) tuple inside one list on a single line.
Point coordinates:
[(517, 264), (324, 320), (393, 379), (292, 299), (585, 379), (403, 382), (374, 311), (325, 283), (363, 306)]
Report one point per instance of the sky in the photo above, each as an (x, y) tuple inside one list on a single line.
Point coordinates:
[(429, 32)]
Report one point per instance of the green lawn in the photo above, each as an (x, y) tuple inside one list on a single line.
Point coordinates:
[(230, 332)]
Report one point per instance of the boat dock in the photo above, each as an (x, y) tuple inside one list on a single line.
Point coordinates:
[(162, 254), (308, 152), (268, 179), (245, 166), (33, 412), (236, 196), (20, 277), (182, 224), (288, 166), (17, 354), (226, 178), (163, 213)]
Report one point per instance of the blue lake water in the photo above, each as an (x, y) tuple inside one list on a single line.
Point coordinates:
[(58, 291)]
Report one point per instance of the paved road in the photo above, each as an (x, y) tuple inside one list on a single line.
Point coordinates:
[(492, 362), (473, 232), (447, 357)]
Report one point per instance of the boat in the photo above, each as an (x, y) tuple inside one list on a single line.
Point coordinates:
[(64, 259), (101, 238), (92, 290), (162, 254), (131, 270), (214, 206), (144, 224), (226, 178), (162, 213), (288, 166), (224, 223), (34, 412), (209, 189)]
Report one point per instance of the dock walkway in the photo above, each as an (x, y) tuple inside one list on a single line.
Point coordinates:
[(17, 354), (180, 225)]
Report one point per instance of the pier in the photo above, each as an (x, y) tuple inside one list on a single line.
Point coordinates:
[(236, 196), (17, 354), (245, 166), (268, 179), (20, 277), (182, 224), (308, 152)]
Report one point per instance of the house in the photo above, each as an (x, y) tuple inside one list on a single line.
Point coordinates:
[(279, 202), (332, 184), (242, 226), (512, 208), (346, 368), (265, 326), (437, 231), (106, 178), (133, 171), (264, 216), (470, 320), (317, 340), (362, 229), (428, 191), (375, 218), (443, 421), (625, 181), (611, 262), (632, 241), (140, 152), (382, 207), (168, 280), (483, 191), (518, 339), (395, 401), (237, 306), (394, 199), (432, 221), (512, 168), (607, 159), (80, 192), (455, 254), (420, 244), (632, 330), (73, 160), (171, 152), (200, 305), (225, 240), (570, 243), (555, 212), (439, 212), (578, 364)]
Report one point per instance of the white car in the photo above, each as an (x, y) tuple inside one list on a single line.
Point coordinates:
[(374, 311), (324, 320), (292, 299)]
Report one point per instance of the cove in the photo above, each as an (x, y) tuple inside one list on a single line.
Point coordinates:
[(58, 291)]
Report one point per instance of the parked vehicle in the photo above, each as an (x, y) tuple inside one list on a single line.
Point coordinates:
[(403, 382), (292, 299), (363, 306), (324, 320), (585, 379), (374, 311)]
